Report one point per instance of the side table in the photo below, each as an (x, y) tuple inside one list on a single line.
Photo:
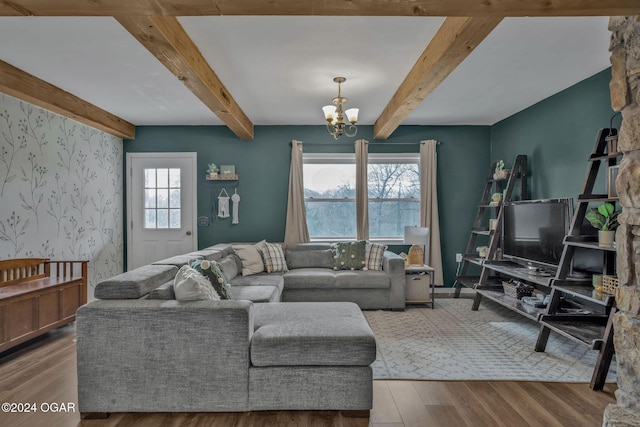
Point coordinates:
[(419, 286)]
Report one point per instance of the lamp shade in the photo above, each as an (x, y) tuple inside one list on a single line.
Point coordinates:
[(416, 235), (329, 112), (352, 115)]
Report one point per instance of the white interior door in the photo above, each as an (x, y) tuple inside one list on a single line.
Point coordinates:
[(161, 206)]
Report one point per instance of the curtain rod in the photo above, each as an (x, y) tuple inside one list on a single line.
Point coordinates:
[(318, 144)]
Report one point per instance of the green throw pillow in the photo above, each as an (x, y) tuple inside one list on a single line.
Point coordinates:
[(349, 255), (211, 270)]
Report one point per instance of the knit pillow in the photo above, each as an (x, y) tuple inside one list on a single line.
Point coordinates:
[(211, 270), (349, 255), (373, 255), (190, 285)]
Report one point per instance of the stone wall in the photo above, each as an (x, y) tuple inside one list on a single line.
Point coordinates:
[(625, 97)]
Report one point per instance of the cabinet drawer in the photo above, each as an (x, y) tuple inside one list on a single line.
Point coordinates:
[(417, 288)]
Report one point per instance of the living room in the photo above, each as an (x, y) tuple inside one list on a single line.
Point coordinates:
[(81, 214)]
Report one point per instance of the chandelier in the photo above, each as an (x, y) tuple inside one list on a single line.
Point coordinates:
[(335, 116)]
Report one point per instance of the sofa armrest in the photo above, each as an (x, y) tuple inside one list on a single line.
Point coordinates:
[(393, 265), (129, 350)]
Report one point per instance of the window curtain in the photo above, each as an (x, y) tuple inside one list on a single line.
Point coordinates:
[(296, 230), (429, 205), (362, 196)]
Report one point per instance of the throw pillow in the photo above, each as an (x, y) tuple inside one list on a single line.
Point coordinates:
[(211, 270), (189, 285), (251, 259), (373, 256), (349, 255), (274, 260)]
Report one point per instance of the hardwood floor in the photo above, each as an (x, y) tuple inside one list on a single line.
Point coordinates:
[(45, 372)]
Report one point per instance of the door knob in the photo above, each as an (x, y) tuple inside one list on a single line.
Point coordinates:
[(188, 233)]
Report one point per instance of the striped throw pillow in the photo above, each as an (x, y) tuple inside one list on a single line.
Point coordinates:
[(373, 256), (274, 260)]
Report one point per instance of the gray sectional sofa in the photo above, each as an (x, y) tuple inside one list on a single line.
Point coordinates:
[(310, 278), (286, 341)]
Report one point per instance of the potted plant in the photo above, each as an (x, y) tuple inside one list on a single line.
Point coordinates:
[(496, 198), (605, 219), (482, 251), (500, 172), (212, 171)]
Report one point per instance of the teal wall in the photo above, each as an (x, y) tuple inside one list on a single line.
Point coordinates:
[(263, 168), (557, 134)]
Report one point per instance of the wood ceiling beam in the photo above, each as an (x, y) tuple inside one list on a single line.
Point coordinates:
[(165, 38), (319, 7), (22, 85), (455, 40)]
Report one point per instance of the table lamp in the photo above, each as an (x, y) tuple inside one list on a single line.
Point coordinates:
[(417, 237)]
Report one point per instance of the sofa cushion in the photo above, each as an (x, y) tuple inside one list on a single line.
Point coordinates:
[(230, 266), (373, 255), (211, 270), (164, 291), (135, 283), (362, 280), (349, 255), (208, 254), (190, 285), (273, 256), (251, 259), (311, 334), (178, 260), (257, 293), (260, 279), (304, 278), (319, 258)]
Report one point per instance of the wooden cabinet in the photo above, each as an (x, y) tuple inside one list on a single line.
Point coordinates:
[(34, 298)]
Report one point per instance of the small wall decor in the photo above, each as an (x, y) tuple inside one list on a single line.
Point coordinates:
[(236, 201), (223, 204), (227, 170)]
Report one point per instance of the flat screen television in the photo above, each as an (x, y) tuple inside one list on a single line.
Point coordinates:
[(533, 231)]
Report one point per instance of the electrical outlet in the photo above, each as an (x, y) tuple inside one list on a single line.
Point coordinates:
[(458, 257)]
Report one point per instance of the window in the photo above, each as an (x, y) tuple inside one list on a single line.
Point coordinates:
[(394, 194), (330, 195), (161, 198), (329, 189)]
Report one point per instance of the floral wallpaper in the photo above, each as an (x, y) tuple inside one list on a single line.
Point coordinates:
[(60, 190)]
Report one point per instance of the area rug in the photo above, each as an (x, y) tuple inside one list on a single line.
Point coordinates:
[(452, 342)]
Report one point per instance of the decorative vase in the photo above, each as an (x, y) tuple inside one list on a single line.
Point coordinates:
[(606, 238)]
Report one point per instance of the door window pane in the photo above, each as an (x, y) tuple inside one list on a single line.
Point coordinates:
[(174, 218), (163, 218), (150, 198), (174, 178), (149, 218), (174, 198), (149, 178)]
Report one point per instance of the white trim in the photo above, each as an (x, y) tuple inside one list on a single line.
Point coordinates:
[(193, 156)]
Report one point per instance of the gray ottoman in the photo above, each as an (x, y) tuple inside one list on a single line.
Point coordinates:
[(313, 356)]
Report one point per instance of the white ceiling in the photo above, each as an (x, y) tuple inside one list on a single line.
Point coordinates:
[(280, 69)]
